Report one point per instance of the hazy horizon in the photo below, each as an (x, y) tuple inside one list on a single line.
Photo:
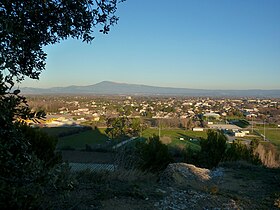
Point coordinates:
[(226, 45), (137, 84)]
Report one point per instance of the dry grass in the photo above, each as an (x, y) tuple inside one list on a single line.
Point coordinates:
[(268, 155), (165, 140), (277, 203)]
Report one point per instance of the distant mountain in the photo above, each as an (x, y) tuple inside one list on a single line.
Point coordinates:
[(114, 88)]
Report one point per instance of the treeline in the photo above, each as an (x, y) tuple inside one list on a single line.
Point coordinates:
[(174, 122)]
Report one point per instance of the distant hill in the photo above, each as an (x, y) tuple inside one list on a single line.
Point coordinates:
[(114, 88)]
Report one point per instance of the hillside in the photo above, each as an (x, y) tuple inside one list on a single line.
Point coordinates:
[(180, 186)]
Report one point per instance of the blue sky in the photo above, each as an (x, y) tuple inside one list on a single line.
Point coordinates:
[(210, 44)]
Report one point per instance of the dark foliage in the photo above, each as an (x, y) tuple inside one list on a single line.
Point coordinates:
[(117, 128), (239, 151), (123, 127), (26, 174), (191, 156), (26, 156), (212, 149), (154, 155), (41, 144)]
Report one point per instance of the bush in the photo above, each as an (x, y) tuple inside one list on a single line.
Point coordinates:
[(154, 155), (24, 178), (212, 149), (191, 156), (178, 152), (239, 151), (41, 144)]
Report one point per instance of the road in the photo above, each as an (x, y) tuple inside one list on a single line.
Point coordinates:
[(123, 142)]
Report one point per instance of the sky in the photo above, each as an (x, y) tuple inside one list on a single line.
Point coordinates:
[(209, 44)]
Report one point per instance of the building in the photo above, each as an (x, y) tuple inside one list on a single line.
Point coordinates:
[(197, 129)]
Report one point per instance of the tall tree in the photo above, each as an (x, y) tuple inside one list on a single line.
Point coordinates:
[(26, 26)]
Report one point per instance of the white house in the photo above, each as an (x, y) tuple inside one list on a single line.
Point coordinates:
[(239, 134), (197, 129), (211, 114)]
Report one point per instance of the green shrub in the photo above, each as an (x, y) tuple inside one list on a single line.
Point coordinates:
[(24, 178), (41, 144), (191, 156), (154, 155), (239, 151), (212, 149)]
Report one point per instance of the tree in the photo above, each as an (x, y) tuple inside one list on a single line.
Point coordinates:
[(154, 155), (239, 151), (117, 127), (187, 123), (123, 127), (136, 127), (40, 23), (212, 149), (25, 28)]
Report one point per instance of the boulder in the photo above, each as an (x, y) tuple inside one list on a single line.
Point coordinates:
[(188, 175)]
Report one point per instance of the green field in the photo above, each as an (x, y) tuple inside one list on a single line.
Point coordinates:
[(97, 137), (56, 131), (176, 134), (273, 134), (93, 138), (260, 126)]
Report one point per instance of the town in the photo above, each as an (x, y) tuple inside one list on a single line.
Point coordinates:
[(236, 116)]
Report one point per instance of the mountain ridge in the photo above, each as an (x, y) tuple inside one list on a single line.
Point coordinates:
[(116, 88)]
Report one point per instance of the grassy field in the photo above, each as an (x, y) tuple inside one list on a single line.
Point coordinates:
[(56, 131), (176, 134), (272, 134), (97, 137), (92, 138), (260, 126)]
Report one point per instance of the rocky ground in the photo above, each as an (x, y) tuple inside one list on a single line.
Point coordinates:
[(181, 186)]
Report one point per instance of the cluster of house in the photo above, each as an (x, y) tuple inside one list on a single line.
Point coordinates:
[(76, 111)]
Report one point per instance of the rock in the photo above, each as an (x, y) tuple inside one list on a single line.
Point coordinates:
[(180, 199), (160, 191), (188, 175), (183, 174)]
